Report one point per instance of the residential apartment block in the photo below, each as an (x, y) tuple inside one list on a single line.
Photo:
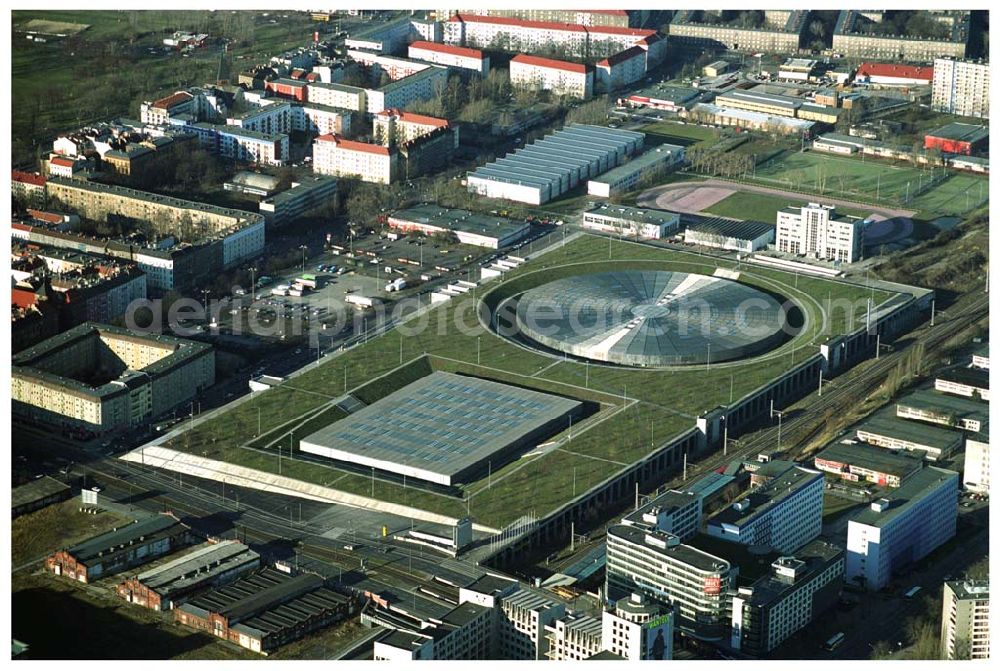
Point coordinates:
[(817, 232), (573, 80), (333, 155), (961, 87), (451, 56), (621, 69), (337, 95), (965, 620), (144, 377), (976, 468), (902, 528), (781, 33), (852, 38), (392, 127)]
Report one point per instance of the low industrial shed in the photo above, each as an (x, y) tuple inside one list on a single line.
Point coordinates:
[(121, 549), (266, 610), (210, 565)]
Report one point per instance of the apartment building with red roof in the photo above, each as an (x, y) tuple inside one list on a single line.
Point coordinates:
[(895, 74), (335, 156), (547, 74), (462, 58)]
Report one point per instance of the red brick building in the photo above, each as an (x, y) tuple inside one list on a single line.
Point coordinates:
[(958, 138)]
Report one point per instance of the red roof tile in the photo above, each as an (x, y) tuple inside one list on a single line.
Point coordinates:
[(49, 217), (893, 70), (351, 145), (538, 61), (447, 49), (23, 298), (410, 117), (27, 178), (622, 56), (61, 161), (171, 100)]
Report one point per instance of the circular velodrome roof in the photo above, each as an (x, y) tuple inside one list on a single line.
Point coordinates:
[(651, 318)]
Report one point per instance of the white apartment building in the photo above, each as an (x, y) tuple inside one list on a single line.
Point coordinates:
[(337, 95), (605, 41), (321, 120), (269, 118), (515, 35), (785, 513), (394, 66), (895, 532), (815, 231), (638, 629), (422, 85), (254, 147), (449, 55), (965, 620), (161, 111), (546, 74), (961, 87), (976, 469), (660, 567), (333, 155), (393, 126), (524, 615), (621, 69)]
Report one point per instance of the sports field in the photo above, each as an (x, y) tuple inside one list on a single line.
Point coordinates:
[(764, 207), (874, 181), (685, 135), (638, 408)]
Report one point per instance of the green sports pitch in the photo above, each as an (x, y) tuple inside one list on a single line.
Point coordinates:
[(875, 181), (637, 409)]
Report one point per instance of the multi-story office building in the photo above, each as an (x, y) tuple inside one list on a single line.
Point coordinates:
[(563, 78), (449, 55), (573, 638), (638, 629), (524, 615), (777, 605), (965, 620), (333, 155), (660, 567), (976, 468), (853, 39), (816, 231), (785, 513), (903, 528), (675, 512), (781, 33)]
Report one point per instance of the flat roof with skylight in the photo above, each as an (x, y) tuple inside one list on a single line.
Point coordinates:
[(444, 428)]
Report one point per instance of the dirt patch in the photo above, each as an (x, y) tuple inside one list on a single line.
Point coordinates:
[(59, 28)]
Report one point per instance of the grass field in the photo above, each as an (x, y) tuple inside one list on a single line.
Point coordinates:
[(764, 207), (872, 181), (54, 527), (685, 135), (640, 408)]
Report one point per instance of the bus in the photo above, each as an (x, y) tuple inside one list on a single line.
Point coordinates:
[(913, 592), (834, 641)]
